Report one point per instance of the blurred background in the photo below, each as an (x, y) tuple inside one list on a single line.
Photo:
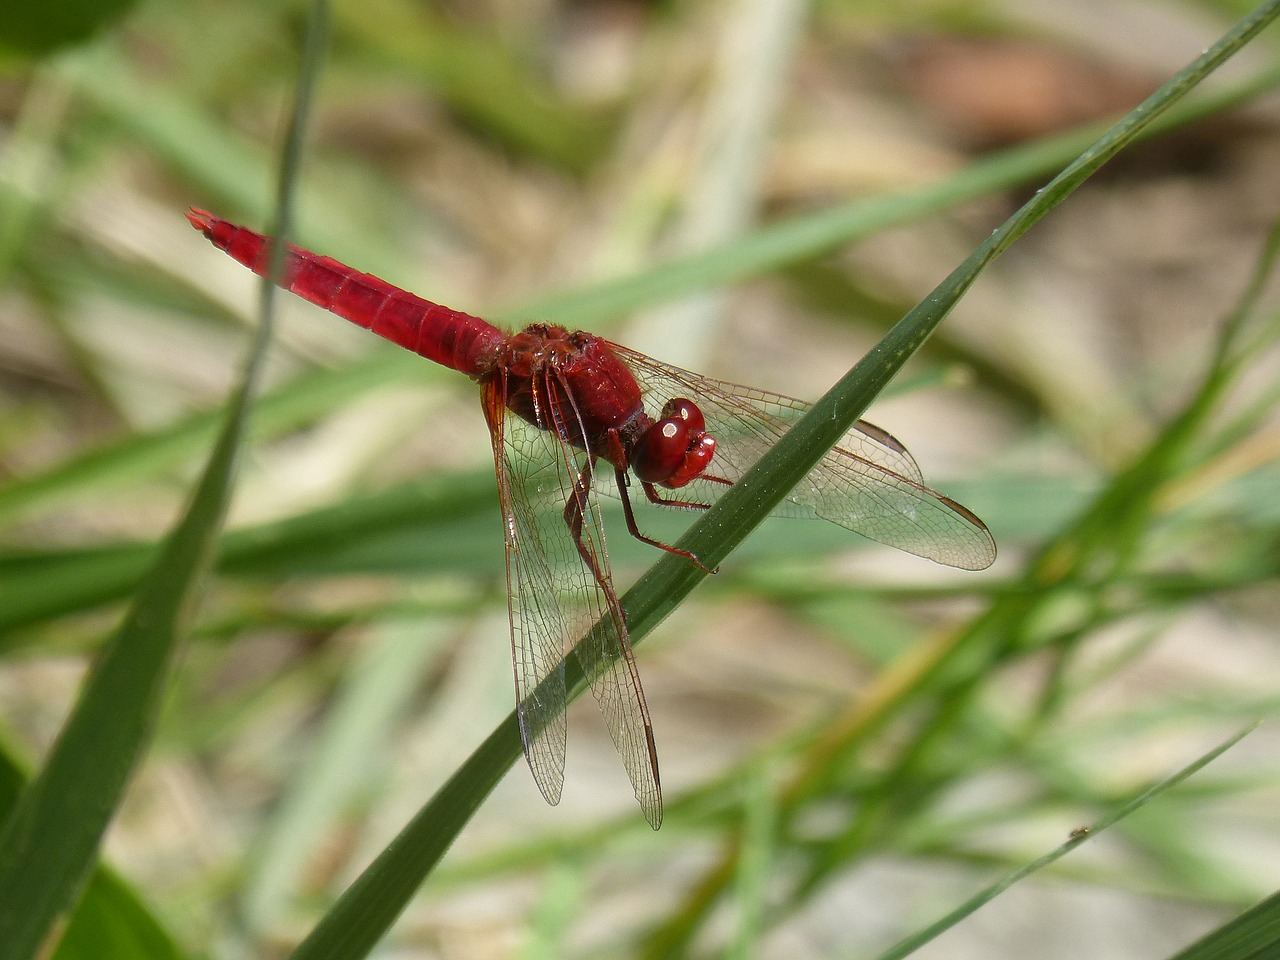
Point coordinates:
[(852, 740)]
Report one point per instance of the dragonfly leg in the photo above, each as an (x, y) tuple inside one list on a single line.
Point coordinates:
[(574, 513), (634, 530), (653, 496)]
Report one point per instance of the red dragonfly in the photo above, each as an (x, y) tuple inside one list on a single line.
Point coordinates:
[(580, 401)]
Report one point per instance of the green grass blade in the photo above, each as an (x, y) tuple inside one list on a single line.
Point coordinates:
[(561, 901), (916, 941), (49, 844), (110, 919), (368, 908), (755, 867), (1254, 935)]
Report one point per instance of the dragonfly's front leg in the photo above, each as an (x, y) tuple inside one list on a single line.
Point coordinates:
[(632, 528), (651, 493)]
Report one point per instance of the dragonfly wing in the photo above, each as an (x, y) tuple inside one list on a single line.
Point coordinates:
[(538, 624), (560, 590), (610, 666), (753, 419), (605, 652), (893, 510), (867, 483)]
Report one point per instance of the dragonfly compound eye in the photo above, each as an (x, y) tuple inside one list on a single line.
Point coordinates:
[(676, 449), (661, 450), (679, 408)]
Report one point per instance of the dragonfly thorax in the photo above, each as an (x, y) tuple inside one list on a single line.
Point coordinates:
[(576, 386), (571, 384)]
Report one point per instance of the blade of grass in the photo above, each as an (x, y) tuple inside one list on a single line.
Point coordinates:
[(561, 902), (371, 904), (111, 918), (755, 866), (1254, 935), (368, 908), (49, 844), (111, 921), (917, 940)]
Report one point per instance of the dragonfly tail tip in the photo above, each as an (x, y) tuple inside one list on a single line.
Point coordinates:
[(202, 220)]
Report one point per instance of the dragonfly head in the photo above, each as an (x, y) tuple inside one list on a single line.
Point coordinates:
[(674, 449)]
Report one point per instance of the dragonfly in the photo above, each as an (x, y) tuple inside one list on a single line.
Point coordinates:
[(573, 416)]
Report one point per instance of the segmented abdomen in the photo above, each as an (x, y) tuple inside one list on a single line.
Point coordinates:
[(449, 337)]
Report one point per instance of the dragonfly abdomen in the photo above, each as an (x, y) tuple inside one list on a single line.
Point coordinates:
[(449, 337)]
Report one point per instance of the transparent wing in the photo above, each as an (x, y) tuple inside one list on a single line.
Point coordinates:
[(868, 483), (538, 624), (560, 590)]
